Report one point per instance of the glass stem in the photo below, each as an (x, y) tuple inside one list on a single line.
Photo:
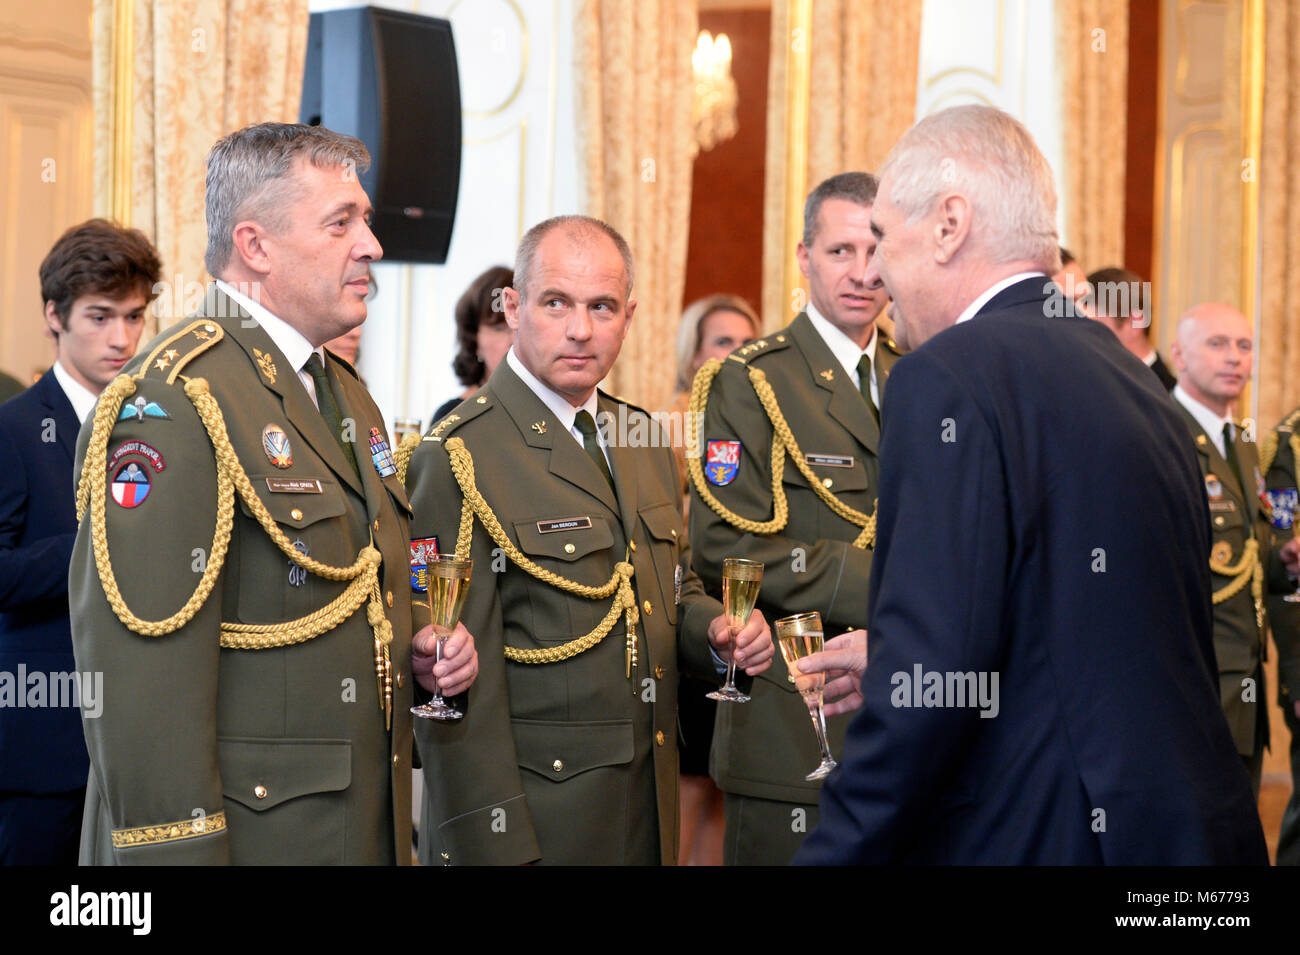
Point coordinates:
[(437, 688), (819, 725)]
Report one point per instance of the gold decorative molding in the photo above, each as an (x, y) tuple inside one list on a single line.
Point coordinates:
[(1177, 178), (797, 91), (1252, 131), (996, 76), (522, 127), (523, 63), (1183, 66), (123, 55)]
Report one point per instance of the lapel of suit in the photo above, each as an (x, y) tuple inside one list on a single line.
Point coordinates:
[(350, 409), (844, 402), (566, 459), (66, 425), (273, 368), (624, 467), (1212, 462)]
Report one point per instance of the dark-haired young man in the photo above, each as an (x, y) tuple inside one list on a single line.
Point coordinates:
[(96, 283)]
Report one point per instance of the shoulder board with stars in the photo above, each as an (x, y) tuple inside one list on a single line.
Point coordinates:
[(469, 409), (176, 351), (759, 347)]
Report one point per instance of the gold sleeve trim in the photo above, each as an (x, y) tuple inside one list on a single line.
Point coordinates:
[(170, 831)]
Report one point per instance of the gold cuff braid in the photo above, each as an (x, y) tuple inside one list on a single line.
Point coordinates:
[(170, 831), (363, 574), (783, 443)]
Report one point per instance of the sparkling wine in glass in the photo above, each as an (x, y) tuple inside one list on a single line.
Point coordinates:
[(448, 586), (740, 582), (800, 636)]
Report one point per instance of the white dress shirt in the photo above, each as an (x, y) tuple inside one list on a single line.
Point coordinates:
[(1210, 422), (980, 301), (82, 398), (291, 342), (846, 350), (565, 413)]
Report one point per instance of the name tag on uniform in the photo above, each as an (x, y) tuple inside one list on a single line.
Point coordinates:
[(293, 485), (1223, 505), (563, 524), (830, 460)]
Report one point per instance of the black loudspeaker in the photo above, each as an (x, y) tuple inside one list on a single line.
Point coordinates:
[(390, 79)]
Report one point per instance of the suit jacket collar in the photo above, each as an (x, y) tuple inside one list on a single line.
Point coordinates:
[(1215, 463), (277, 376), (1038, 288), (844, 402), (566, 459), (66, 424)]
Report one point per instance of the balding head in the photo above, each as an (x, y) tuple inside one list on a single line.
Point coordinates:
[(1213, 353)]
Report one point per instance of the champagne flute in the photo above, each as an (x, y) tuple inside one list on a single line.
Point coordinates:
[(740, 583), (448, 586), (800, 636)]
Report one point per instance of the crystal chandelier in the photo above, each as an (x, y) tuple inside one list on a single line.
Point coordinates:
[(714, 110)]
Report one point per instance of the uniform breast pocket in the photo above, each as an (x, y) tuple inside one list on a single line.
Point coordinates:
[(663, 522), (578, 548), (845, 476), (272, 588)]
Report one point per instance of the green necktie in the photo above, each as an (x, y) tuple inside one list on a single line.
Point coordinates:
[(864, 385), (329, 407), (587, 426), (1230, 455)]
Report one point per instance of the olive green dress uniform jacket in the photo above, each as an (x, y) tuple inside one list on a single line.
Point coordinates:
[(1284, 617), (1237, 515), (207, 755), (568, 762), (765, 747)]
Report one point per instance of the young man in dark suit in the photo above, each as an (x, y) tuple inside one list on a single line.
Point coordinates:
[(1041, 687), (1122, 301), (96, 283)]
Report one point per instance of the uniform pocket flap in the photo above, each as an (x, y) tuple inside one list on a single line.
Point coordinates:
[(560, 751), (263, 773), (398, 493), (564, 538), (663, 521), (296, 508), (841, 475)]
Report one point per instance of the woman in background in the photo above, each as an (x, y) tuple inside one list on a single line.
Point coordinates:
[(712, 327), (482, 335)]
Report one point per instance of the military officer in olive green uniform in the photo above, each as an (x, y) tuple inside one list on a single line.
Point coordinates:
[(1278, 459), (240, 575), (818, 384), (581, 599), (1213, 353)]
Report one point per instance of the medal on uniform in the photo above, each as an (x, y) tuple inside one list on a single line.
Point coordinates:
[(298, 575), (677, 585), (721, 462), (1213, 487), (422, 549), (276, 445), (142, 408), (381, 455)]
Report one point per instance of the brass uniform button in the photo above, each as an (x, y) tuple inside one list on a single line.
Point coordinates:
[(558, 766), (259, 791), (481, 400), (647, 608), (780, 338), (396, 759), (659, 673), (633, 546), (659, 737), (827, 482), (569, 548), (209, 327), (399, 680), (296, 514), (1218, 520), (376, 525), (673, 532), (389, 598)]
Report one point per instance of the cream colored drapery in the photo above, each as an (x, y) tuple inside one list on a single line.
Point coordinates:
[(635, 88), (1278, 353), (1092, 49), (186, 72), (841, 91)]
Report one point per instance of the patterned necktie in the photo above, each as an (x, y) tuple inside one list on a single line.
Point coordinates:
[(587, 426), (329, 407), (864, 385)]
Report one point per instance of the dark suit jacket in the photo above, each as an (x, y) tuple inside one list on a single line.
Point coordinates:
[(1012, 541), (1167, 377), (42, 749)]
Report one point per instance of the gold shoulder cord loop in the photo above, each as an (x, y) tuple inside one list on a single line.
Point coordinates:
[(783, 443), (402, 456), (1249, 569), (363, 575), (619, 586)]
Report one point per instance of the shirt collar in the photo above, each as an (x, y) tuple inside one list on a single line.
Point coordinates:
[(291, 342), (80, 397), (1210, 423), (973, 308), (559, 406), (845, 349)]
